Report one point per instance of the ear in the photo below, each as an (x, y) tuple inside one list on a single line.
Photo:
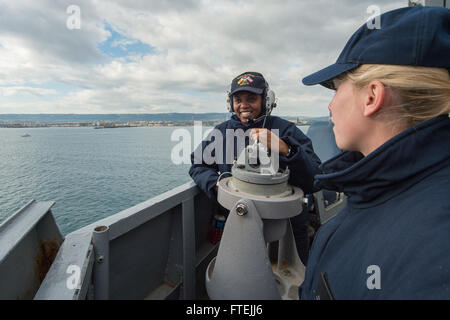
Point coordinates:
[(374, 98)]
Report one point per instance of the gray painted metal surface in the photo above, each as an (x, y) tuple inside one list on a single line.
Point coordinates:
[(327, 204), (188, 249), (158, 249), (100, 242), (258, 216), (68, 277), (433, 3), (289, 271), (268, 208), (327, 211), (242, 269), (29, 242)]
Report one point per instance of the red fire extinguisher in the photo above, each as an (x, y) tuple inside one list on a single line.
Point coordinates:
[(218, 224)]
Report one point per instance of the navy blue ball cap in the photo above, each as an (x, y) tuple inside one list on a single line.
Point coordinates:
[(248, 81), (411, 36), (328, 74)]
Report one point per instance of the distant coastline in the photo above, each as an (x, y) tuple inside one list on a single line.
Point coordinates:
[(102, 121)]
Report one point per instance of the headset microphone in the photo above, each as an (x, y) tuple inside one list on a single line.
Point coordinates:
[(251, 121)]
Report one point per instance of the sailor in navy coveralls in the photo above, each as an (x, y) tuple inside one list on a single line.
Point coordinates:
[(390, 114)]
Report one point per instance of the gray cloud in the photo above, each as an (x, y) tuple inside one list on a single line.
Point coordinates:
[(200, 45), (41, 27)]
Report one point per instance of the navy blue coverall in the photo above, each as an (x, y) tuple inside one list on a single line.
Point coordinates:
[(391, 241)]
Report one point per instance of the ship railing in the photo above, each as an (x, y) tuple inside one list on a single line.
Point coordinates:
[(157, 249)]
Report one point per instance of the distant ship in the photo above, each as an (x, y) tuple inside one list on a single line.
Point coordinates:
[(112, 125), (25, 135)]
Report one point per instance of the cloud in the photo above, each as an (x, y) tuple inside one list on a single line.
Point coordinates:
[(10, 91), (162, 56), (40, 27)]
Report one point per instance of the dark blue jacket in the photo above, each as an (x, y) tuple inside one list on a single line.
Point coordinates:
[(397, 219), (303, 164)]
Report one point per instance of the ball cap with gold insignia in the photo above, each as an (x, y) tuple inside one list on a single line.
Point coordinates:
[(248, 81)]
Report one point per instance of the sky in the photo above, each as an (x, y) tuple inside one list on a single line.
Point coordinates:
[(144, 56)]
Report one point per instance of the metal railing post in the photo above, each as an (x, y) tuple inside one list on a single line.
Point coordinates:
[(100, 241), (189, 257)]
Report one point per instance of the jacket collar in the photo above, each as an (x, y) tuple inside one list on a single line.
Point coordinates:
[(396, 165)]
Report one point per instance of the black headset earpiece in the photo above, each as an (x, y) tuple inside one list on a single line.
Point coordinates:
[(229, 102), (269, 100)]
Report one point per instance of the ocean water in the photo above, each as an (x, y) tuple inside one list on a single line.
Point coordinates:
[(90, 174)]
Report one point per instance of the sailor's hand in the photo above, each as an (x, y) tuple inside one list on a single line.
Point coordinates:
[(270, 140)]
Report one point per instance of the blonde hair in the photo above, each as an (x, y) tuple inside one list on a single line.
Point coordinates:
[(420, 93)]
